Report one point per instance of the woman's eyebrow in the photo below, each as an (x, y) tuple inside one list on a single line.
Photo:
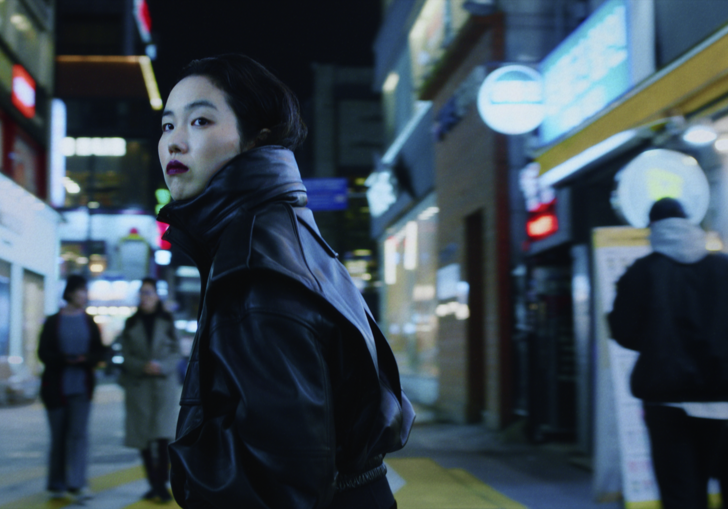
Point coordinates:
[(191, 106), (199, 104)]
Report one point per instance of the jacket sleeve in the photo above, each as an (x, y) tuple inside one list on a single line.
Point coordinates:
[(48, 351), (273, 445), (628, 317)]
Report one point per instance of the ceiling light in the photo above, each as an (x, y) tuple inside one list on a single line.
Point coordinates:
[(721, 144), (699, 134)]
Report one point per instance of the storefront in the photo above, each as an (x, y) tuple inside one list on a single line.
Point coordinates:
[(404, 223), (576, 254), (409, 315), (28, 277)]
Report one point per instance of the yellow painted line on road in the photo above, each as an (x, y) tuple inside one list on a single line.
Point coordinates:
[(430, 486), (496, 497), (19, 476), (117, 478), (97, 485), (146, 504)]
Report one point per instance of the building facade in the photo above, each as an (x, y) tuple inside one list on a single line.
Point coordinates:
[(597, 163), (454, 179), (28, 224), (106, 86)]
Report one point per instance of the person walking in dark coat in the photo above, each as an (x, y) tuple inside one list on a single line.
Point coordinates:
[(671, 308), (70, 348), (151, 353), (292, 395)]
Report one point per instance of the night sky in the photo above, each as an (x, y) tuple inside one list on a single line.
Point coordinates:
[(286, 36)]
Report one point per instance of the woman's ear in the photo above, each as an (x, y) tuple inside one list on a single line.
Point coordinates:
[(262, 136), (258, 140)]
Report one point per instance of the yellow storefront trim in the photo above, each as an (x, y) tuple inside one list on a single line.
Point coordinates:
[(684, 86)]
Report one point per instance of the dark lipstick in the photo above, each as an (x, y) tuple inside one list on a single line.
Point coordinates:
[(174, 167)]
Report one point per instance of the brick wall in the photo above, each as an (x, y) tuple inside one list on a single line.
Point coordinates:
[(467, 165)]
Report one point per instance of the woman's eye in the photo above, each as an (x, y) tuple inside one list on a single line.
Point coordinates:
[(167, 127), (200, 121)]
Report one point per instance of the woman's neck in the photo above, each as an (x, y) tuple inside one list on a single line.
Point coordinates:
[(72, 309)]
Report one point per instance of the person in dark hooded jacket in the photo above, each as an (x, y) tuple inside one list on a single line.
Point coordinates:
[(292, 395), (671, 306)]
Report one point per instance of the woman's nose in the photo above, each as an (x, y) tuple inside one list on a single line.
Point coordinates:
[(176, 143)]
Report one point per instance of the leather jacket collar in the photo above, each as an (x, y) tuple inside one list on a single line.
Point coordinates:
[(252, 178)]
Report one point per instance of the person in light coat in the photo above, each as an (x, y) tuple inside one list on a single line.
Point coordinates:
[(151, 353)]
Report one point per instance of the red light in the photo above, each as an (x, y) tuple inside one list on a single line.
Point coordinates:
[(542, 225), (162, 228), (23, 96), (144, 17)]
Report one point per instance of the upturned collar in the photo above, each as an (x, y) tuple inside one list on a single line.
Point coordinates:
[(249, 180)]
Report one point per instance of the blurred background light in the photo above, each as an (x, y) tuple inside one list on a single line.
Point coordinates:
[(699, 135)]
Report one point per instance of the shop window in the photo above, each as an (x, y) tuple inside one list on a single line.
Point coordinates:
[(437, 25), (33, 317), (24, 164), (79, 256), (25, 36), (112, 181), (4, 308), (409, 303)]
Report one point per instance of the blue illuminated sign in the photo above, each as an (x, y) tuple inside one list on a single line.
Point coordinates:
[(587, 71), (327, 193)]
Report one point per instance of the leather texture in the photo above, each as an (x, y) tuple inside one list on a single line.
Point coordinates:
[(290, 381)]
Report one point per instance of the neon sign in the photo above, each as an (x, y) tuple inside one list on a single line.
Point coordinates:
[(587, 71), (23, 96)]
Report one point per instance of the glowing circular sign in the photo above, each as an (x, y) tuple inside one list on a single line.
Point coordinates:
[(656, 174), (510, 100)]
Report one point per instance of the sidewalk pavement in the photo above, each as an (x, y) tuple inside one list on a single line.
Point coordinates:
[(522, 474)]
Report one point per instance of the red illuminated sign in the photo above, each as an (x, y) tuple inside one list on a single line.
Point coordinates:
[(542, 222), (143, 19), (23, 96), (161, 229)]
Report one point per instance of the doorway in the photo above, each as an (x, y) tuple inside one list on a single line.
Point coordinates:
[(475, 334)]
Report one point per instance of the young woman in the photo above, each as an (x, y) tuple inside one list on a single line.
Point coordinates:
[(292, 395), (151, 353), (70, 348)]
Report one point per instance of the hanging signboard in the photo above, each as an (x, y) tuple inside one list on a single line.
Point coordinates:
[(601, 60), (327, 193), (510, 100)]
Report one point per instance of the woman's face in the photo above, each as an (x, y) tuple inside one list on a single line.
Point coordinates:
[(78, 298), (148, 298), (199, 135)]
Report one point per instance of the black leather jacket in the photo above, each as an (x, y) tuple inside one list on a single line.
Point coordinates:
[(291, 392)]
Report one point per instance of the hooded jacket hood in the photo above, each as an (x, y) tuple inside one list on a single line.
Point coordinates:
[(247, 181), (678, 239)]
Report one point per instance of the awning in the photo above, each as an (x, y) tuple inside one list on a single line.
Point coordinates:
[(697, 79), (121, 77)]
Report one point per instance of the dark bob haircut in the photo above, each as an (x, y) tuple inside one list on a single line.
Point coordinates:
[(258, 99), (73, 283)]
